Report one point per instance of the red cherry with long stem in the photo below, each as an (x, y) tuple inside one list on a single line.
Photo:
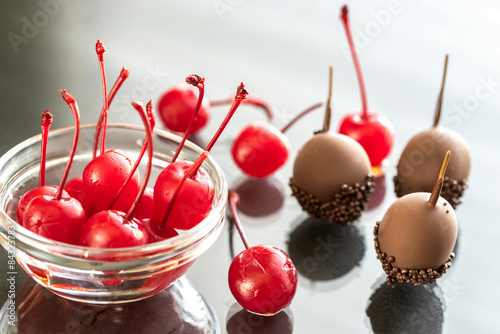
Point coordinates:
[(260, 149), (187, 185), (177, 105), (56, 217), (124, 74), (199, 82), (42, 189), (373, 131), (116, 229), (262, 279)]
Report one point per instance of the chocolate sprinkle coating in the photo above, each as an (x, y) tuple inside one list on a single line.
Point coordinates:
[(415, 277), (452, 190), (345, 208)]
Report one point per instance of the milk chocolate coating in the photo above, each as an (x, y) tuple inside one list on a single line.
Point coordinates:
[(416, 234), (422, 158), (327, 162)]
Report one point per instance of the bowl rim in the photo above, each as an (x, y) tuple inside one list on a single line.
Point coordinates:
[(179, 242)]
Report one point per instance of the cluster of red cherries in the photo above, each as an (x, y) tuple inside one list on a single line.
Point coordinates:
[(108, 206)]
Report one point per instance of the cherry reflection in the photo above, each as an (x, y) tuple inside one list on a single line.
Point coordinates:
[(241, 321), (260, 197), (378, 194), (178, 309)]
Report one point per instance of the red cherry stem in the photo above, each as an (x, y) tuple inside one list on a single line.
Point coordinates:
[(234, 200), (45, 123), (436, 191), (345, 20), (151, 121), (437, 113), (252, 100), (241, 94), (299, 116), (70, 100), (124, 74), (328, 109), (100, 49), (149, 143), (197, 81)]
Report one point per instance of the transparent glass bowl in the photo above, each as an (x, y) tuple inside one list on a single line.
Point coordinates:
[(86, 274)]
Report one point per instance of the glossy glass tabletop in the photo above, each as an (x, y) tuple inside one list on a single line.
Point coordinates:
[(282, 54)]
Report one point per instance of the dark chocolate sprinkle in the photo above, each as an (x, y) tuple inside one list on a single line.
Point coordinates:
[(345, 208)]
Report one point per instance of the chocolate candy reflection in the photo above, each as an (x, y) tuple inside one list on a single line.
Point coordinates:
[(324, 251), (405, 309)]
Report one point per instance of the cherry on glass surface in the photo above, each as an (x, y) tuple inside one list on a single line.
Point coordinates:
[(373, 131), (262, 278), (260, 149)]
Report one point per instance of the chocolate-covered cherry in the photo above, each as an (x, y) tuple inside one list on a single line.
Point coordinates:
[(58, 217), (423, 154), (373, 131), (262, 278), (415, 238), (332, 177)]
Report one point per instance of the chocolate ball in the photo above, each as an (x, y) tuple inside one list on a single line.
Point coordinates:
[(328, 161), (415, 239), (332, 178), (422, 158)]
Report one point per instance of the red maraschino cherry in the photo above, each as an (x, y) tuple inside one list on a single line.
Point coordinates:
[(114, 228), (187, 185), (104, 176), (373, 131), (58, 217), (42, 189), (177, 105), (260, 149), (262, 279)]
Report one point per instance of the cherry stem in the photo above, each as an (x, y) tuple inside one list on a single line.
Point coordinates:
[(241, 94), (252, 100), (345, 20), (437, 113), (124, 74), (299, 116), (70, 100), (100, 49), (45, 123), (436, 191), (197, 81), (149, 143), (328, 109), (151, 121), (234, 200)]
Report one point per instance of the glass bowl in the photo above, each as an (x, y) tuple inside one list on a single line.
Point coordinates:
[(88, 274)]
